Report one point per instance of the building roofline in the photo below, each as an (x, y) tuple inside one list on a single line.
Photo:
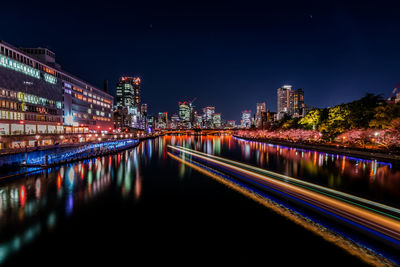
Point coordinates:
[(60, 70)]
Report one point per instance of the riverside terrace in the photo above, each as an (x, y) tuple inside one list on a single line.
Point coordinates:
[(18, 143)]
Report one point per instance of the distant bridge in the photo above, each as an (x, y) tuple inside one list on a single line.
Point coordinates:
[(197, 131)]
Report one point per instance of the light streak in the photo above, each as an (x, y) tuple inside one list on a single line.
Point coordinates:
[(299, 182), (379, 221), (344, 243)]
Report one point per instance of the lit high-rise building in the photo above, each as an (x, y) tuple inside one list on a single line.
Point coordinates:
[(198, 120), (298, 103), (246, 119), (184, 112), (128, 92), (216, 118), (174, 121), (208, 116), (128, 97), (285, 101), (260, 109), (290, 102), (162, 122), (143, 117)]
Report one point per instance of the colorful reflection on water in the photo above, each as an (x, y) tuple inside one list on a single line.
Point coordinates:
[(35, 204), (31, 205), (372, 179)]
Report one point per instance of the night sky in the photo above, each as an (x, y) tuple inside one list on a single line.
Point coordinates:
[(229, 55)]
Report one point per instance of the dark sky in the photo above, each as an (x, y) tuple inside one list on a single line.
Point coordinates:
[(227, 54)]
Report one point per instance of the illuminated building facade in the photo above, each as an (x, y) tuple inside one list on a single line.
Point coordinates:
[(298, 103), (197, 120), (290, 102), (174, 121), (246, 119), (185, 114), (143, 117), (128, 97), (261, 107), (231, 124), (285, 101), (128, 92), (216, 118), (208, 116), (37, 97), (162, 122)]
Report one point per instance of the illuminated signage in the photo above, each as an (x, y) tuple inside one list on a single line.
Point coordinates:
[(67, 85), (17, 66), (50, 79)]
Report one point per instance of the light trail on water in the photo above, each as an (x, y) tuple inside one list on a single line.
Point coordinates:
[(380, 220)]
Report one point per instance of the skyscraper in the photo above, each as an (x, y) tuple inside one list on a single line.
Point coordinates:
[(174, 121), (162, 122), (208, 116), (285, 101), (298, 103), (260, 109), (185, 114), (143, 116), (128, 97), (128, 92), (216, 118), (246, 119)]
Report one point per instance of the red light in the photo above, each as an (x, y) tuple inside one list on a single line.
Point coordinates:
[(21, 122), (98, 127), (22, 195), (109, 128)]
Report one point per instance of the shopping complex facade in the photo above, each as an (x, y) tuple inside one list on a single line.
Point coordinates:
[(41, 104)]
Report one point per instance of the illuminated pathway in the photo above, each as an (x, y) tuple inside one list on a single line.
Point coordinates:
[(382, 221)]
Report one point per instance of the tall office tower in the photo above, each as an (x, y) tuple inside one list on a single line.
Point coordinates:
[(162, 120), (207, 116), (143, 117), (260, 109), (246, 119), (184, 113), (174, 121), (128, 97), (198, 120), (285, 101), (128, 92), (298, 103), (216, 118)]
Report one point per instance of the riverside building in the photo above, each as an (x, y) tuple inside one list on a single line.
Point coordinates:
[(38, 98)]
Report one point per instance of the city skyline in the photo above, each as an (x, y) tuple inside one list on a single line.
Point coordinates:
[(196, 63), (207, 132)]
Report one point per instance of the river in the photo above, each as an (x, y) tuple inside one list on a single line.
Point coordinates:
[(143, 206)]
